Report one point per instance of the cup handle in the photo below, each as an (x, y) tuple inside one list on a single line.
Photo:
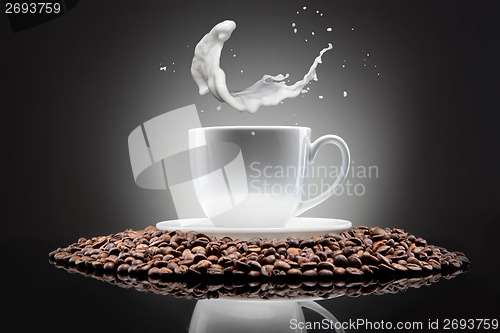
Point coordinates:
[(311, 305), (346, 161)]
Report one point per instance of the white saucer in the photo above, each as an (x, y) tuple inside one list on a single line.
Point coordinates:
[(300, 227)]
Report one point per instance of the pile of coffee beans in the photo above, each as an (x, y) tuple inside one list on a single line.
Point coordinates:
[(359, 253)]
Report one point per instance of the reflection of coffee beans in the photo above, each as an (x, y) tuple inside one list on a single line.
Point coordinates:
[(359, 253)]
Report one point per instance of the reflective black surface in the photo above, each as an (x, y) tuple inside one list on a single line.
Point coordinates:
[(75, 87)]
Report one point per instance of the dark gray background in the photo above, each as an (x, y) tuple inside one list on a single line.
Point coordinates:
[(74, 88)]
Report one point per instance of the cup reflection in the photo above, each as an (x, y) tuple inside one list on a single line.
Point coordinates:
[(224, 315)]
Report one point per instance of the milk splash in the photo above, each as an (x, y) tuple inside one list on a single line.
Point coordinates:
[(270, 90)]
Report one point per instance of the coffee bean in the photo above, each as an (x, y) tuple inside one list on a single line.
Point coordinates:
[(307, 243), (269, 260), (383, 260), (308, 266), (123, 269), (181, 270), (242, 266), (339, 271), (310, 273), (325, 273), (399, 267), (281, 265), (340, 261), (368, 259), (434, 264), (164, 272), (414, 267), (294, 272), (354, 261), (109, 266), (325, 265), (267, 270), (215, 270), (254, 265), (254, 274), (354, 271)]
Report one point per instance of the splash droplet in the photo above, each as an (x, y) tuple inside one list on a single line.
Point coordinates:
[(352, 29), (312, 33), (293, 24), (253, 133), (344, 93), (320, 96), (295, 30), (343, 66), (241, 71), (304, 8), (219, 107), (329, 29)]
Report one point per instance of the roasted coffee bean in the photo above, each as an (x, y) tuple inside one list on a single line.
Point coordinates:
[(325, 265), (109, 266), (382, 249), (123, 269), (267, 270), (181, 270), (294, 272), (325, 273), (215, 270), (366, 270), (434, 264), (340, 261), (268, 260), (354, 261), (199, 257), (354, 271), (254, 265), (339, 271), (281, 265), (308, 266), (383, 260), (414, 267), (307, 243), (269, 251), (368, 259), (254, 274), (310, 273), (399, 267), (164, 272)]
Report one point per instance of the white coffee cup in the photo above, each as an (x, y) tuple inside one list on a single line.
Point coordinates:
[(256, 176)]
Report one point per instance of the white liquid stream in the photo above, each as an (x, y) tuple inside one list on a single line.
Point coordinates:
[(270, 90)]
